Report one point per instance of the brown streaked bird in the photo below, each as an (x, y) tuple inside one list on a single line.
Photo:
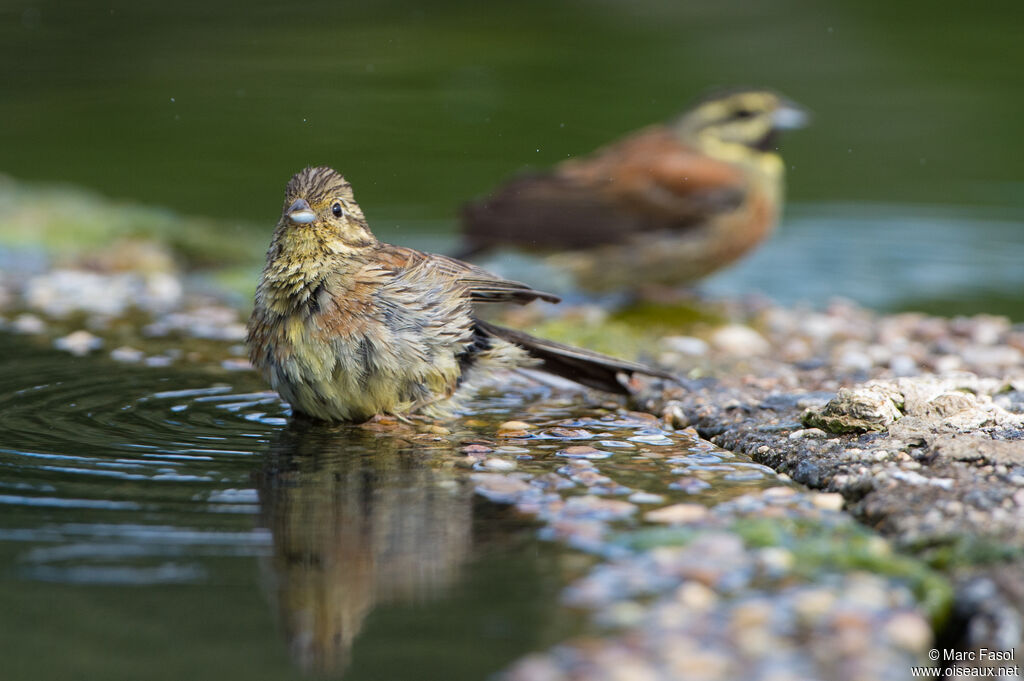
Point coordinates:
[(665, 205), (346, 327)]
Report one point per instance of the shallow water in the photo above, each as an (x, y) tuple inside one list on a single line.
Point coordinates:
[(147, 507), (159, 523)]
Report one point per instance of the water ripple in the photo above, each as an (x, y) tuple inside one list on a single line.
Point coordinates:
[(122, 475)]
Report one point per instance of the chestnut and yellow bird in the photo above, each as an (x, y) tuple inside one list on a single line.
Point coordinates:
[(663, 206), (346, 327)]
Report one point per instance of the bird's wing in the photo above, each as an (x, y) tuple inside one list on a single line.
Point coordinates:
[(649, 181), (658, 175), (482, 286)]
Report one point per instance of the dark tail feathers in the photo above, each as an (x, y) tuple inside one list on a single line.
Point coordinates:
[(585, 367)]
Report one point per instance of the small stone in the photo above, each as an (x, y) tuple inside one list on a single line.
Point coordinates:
[(690, 485), (855, 360), (903, 365), (475, 449), (126, 354), (696, 596), (866, 408), (28, 323), (686, 345), (236, 364), (706, 664), (677, 514), (813, 604), (552, 481), (583, 452), (739, 340), (646, 498), (828, 501), (593, 507), (499, 488), (807, 433), (624, 614), (570, 433), (514, 425), (535, 668), (674, 416), (495, 464), (909, 631), (779, 492), (512, 449), (776, 560), (79, 343)]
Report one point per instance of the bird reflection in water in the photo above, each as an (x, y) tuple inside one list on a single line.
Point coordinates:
[(359, 518)]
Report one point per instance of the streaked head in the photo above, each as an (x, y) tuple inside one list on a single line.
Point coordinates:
[(319, 205), (752, 118)]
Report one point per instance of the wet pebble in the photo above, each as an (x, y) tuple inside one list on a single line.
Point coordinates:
[(677, 514), (646, 498), (514, 427), (804, 433), (739, 340), (690, 485), (78, 343), (499, 488), (60, 292), (659, 439), (28, 323), (583, 452), (127, 354), (685, 345), (214, 322), (830, 501), (598, 508), (495, 464)]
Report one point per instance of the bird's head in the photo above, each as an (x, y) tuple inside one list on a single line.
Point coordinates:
[(321, 215), (744, 118)]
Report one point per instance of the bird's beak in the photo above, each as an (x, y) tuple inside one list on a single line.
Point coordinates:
[(300, 213), (790, 116)]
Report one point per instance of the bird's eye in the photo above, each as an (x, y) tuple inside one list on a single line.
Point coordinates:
[(337, 210), (743, 113)]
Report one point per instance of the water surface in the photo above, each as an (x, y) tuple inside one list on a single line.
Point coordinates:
[(166, 523)]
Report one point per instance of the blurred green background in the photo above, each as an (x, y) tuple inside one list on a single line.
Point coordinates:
[(210, 107), (906, 192)]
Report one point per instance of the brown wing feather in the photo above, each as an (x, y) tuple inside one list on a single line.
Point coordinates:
[(650, 181), (483, 286)]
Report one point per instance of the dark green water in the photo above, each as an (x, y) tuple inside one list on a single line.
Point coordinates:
[(210, 107), (164, 524)]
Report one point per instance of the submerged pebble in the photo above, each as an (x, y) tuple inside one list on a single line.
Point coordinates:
[(127, 354), (79, 343)]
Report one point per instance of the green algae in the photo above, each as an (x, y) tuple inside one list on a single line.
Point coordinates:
[(664, 318), (819, 548)]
